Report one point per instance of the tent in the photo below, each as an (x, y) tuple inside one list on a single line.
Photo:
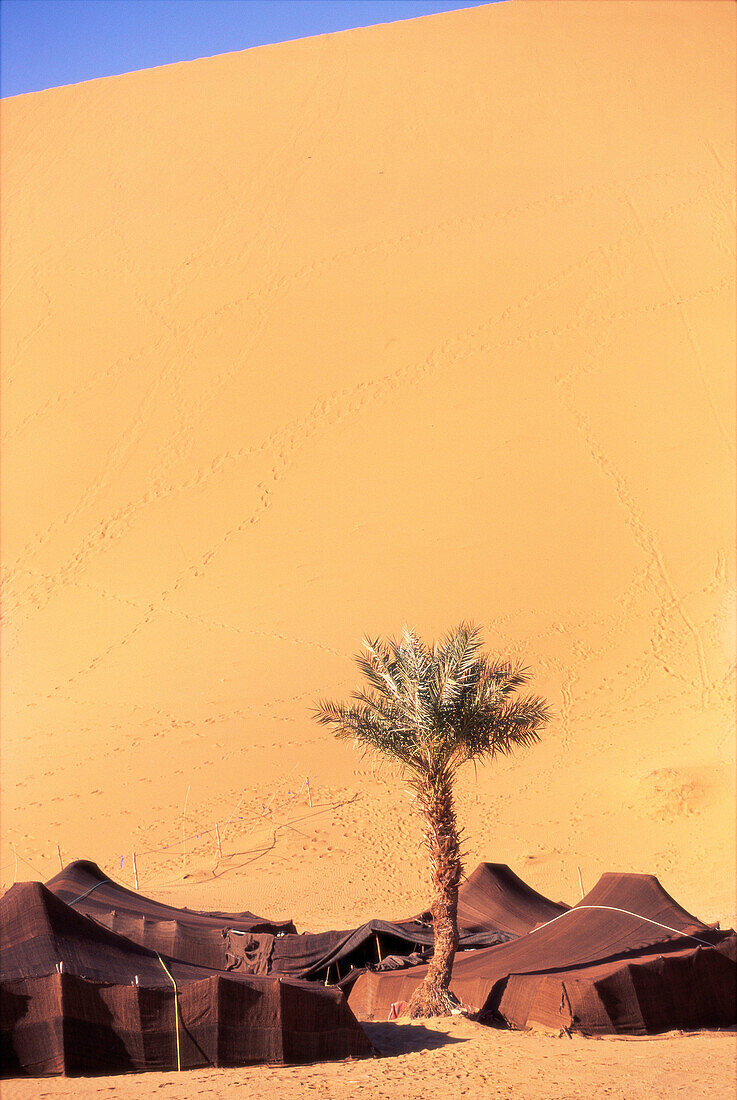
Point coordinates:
[(79, 998), (624, 917), (377, 944), (494, 906), (493, 903), (493, 897), (91, 891), (694, 987), (196, 937)]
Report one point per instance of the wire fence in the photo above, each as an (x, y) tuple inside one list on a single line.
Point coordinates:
[(207, 842), (213, 832)]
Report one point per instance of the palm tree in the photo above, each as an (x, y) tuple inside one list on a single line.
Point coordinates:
[(430, 711)]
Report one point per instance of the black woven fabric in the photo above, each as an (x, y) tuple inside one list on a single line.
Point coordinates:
[(76, 997)]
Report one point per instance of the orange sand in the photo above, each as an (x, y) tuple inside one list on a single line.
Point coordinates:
[(408, 324), (440, 1059)]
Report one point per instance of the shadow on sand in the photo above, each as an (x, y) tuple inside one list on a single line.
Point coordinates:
[(392, 1039)]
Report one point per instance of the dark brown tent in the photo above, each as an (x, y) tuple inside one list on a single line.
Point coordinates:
[(202, 938), (493, 897), (694, 987), (623, 917), (83, 885), (79, 998), (378, 944), (494, 906), (254, 945)]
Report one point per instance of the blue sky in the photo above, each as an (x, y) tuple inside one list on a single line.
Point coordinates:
[(46, 43)]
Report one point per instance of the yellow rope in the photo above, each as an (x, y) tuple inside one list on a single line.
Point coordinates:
[(176, 1008)]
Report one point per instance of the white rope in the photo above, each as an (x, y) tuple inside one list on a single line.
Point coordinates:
[(627, 912), (88, 892)]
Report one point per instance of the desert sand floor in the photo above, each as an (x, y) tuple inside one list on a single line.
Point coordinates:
[(437, 1060), (415, 323)]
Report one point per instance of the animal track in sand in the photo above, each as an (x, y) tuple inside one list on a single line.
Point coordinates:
[(330, 410)]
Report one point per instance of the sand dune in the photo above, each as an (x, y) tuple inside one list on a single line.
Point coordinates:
[(409, 324)]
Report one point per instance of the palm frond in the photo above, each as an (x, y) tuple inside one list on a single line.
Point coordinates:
[(434, 709), (377, 666)]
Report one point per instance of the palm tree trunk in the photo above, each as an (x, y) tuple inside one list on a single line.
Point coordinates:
[(435, 802)]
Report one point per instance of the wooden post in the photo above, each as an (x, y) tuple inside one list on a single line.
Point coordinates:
[(220, 847), (580, 881), (58, 852), (135, 870), (309, 792), (378, 947), (184, 831)]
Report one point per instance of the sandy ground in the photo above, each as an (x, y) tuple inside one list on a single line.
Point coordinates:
[(438, 1059), (408, 324)]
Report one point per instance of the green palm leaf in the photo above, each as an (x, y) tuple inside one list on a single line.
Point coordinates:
[(430, 710)]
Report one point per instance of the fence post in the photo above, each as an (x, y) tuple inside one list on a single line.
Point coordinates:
[(184, 831)]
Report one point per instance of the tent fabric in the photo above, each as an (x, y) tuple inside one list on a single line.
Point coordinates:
[(65, 1024), (254, 945), (494, 906), (79, 998), (494, 897), (41, 934), (641, 894), (92, 892), (694, 987), (621, 917), (332, 955), (200, 946), (201, 938)]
